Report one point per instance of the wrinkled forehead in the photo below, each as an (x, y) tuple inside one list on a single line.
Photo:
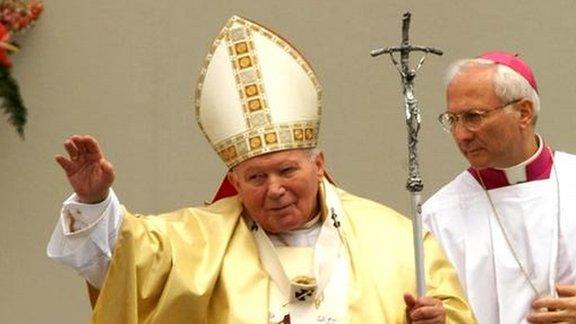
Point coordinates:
[(472, 88), (470, 82)]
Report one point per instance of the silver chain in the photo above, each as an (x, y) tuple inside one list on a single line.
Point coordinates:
[(505, 234)]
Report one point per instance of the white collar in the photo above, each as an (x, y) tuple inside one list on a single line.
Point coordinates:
[(517, 173), (304, 236)]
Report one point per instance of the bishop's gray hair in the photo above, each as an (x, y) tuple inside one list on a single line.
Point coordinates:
[(508, 84)]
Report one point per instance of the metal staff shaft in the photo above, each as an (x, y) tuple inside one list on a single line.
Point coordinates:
[(414, 183), (418, 245)]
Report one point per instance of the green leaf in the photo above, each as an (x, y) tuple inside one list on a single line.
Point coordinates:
[(12, 102)]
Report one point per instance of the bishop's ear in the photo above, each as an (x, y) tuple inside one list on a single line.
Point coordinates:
[(527, 113)]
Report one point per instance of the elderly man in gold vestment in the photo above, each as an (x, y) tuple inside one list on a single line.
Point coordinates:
[(279, 244)]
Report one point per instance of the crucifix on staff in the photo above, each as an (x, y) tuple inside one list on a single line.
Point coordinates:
[(415, 183)]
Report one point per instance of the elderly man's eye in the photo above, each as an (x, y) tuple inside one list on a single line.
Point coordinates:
[(472, 117), (288, 170), (256, 177)]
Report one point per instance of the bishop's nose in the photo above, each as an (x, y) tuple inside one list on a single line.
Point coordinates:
[(461, 133)]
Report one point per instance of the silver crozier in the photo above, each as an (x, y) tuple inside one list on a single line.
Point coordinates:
[(414, 184)]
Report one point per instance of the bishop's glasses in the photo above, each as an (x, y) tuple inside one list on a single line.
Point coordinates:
[(472, 119)]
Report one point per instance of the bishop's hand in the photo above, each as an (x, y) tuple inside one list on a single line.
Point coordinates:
[(555, 310), (424, 310), (88, 172)]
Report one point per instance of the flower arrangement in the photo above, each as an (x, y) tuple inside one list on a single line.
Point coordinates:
[(16, 16)]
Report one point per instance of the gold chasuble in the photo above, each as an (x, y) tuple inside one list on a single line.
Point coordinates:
[(201, 265)]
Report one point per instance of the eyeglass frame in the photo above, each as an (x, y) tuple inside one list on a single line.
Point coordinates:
[(482, 114)]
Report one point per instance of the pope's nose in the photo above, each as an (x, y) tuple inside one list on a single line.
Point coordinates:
[(276, 187)]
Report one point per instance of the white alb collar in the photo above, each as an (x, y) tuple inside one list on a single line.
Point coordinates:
[(517, 173)]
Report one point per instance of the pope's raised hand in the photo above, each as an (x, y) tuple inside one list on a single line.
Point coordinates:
[(88, 172)]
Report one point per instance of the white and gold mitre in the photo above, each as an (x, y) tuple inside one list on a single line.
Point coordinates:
[(256, 94)]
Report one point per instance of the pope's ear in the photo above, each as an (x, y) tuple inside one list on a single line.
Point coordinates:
[(233, 179), (320, 165)]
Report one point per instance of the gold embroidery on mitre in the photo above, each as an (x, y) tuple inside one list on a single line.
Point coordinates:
[(262, 134), (255, 142), (254, 104), (298, 134), (244, 62), (232, 152), (277, 137), (251, 90), (247, 74), (308, 134), (270, 138), (241, 48)]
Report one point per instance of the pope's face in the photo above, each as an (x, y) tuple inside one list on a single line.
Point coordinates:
[(279, 190), (498, 142)]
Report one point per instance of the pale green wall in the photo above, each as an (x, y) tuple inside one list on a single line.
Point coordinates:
[(124, 71)]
